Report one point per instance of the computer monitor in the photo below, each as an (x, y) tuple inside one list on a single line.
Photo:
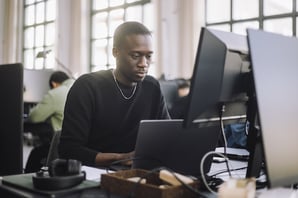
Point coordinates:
[(36, 84), (220, 79), (11, 119), (275, 68)]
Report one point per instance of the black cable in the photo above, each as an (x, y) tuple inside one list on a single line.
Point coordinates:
[(259, 184), (133, 192), (224, 171), (190, 188)]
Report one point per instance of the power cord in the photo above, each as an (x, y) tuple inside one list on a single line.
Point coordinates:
[(222, 110), (132, 194), (187, 186), (224, 171), (202, 169)]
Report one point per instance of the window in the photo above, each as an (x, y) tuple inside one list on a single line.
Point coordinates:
[(237, 15), (106, 16), (39, 34)]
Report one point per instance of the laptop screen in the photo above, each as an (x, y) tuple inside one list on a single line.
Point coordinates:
[(165, 143)]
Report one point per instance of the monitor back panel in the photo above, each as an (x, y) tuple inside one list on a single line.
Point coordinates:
[(165, 143), (275, 69), (11, 119)]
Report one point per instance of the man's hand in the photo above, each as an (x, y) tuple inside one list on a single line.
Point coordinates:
[(104, 159), (129, 157)]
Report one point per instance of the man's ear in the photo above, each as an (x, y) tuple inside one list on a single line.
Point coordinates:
[(115, 52), (55, 84), (52, 84)]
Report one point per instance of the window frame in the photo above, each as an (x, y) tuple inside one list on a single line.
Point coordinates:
[(34, 47), (260, 18)]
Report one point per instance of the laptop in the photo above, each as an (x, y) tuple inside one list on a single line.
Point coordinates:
[(165, 143)]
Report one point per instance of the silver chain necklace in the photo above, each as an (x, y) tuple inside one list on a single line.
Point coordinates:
[(125, 97)]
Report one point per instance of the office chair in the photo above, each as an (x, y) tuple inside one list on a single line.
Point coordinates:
[(61, 173), (169, 90)]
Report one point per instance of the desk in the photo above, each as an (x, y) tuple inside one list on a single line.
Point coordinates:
[(27, 107), (262, 193), (94, 191), (94, 174)]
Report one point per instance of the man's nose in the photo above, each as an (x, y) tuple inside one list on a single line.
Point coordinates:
[(144, 62)]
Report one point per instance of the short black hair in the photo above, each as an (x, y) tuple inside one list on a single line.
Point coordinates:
[(58, 77), (126, 29)]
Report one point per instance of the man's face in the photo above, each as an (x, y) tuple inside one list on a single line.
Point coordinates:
[(133, 58)]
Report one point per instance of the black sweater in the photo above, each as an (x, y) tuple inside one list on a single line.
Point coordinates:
[(98, 119)]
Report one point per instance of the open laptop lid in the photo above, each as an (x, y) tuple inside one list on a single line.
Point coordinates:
[(166, 143)]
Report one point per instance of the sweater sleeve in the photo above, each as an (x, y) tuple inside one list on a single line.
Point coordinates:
[(77, 122)]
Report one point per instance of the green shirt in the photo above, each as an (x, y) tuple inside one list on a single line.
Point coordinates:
[(51, 108)]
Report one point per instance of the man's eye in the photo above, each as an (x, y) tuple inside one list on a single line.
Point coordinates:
[(135, 56)]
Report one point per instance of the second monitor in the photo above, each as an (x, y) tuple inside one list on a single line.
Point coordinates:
[(220, 78)]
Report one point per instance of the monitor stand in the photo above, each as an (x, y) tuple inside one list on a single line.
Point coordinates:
[(255, 161), (254, 139)]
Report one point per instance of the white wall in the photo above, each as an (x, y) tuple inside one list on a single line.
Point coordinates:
[(73, 26), (2, 6), (179, 23), (10, 28)]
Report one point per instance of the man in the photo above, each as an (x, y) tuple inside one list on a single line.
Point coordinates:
[(46, 118), (50, 109), (103, 109)]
